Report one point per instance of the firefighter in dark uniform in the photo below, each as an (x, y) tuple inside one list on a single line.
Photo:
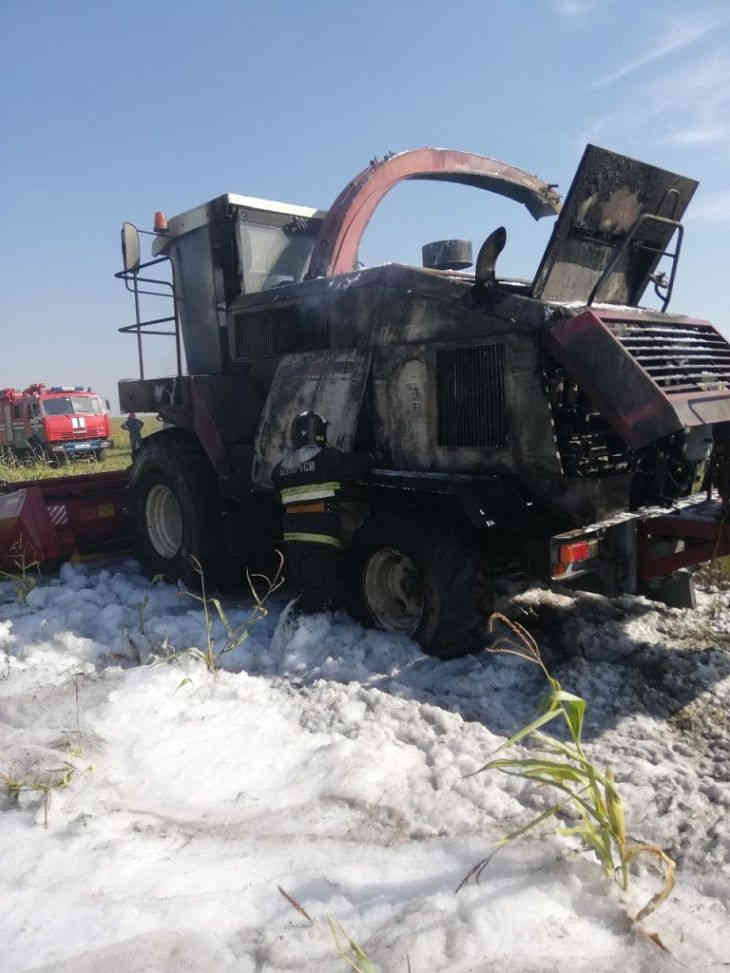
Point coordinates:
[(309, 478), (133, 426)]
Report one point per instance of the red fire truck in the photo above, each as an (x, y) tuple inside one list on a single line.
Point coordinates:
[(56, 422)]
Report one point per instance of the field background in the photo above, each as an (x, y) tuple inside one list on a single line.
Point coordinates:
[(118, 456)]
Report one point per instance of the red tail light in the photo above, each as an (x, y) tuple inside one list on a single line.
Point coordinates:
[(574, 553)]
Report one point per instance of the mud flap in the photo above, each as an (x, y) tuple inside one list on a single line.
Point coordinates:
[(331, 383), (676, 590)]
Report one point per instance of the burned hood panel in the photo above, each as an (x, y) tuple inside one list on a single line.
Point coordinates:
[(648, 375), (608, 195)]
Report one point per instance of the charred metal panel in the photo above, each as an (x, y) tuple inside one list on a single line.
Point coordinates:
[(222, 410), (581, 500), (310, 316), (428, 314), (405, 406), (407, 412), (280, 330), (648, 375), (152, 394), (357, 304), (225, 411), (471, 401), (329, 382), (254, 334), (199, 287), (420, 305), (608, 195), (394, 304), (626, 396)]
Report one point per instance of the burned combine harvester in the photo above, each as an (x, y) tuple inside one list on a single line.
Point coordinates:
[(550, 428)]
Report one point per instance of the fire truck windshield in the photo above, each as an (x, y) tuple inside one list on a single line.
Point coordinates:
[(67, 405)]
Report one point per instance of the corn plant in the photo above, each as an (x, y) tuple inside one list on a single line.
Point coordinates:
[(347, 949), (25, 573), (261, 588), (51, 780), (590, 797)]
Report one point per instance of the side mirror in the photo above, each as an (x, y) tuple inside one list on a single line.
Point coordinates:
[(130, 247)]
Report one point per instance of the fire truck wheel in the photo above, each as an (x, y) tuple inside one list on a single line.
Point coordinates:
[(404, 577), (174, 509)]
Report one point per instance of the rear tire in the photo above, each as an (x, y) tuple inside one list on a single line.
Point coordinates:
[(174, 509), (423, 583)]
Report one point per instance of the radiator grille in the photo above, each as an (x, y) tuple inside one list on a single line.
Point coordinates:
[(680, 357), (471, 397), (279, 331)]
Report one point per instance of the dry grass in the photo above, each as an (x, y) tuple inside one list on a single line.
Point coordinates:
[(715, 573), (261, 588), (347, 949)]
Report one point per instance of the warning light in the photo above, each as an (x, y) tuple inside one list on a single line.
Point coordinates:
[(160, 222), (569, 554)]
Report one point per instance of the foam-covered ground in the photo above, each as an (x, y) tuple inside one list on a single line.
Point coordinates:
[(334, 762)]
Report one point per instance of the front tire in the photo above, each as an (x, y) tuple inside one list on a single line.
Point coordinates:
[(174, 508), (423, 583)]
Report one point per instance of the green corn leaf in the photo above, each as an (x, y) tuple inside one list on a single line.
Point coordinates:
[(569, 750), (223, 617), (520, 735), (530, 824), (552, 745), (547, 769), (349, 950), (614, 809), (594, 839), (591, 797), (574, 708)]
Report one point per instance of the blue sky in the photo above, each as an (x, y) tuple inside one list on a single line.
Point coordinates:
[(112, 111)]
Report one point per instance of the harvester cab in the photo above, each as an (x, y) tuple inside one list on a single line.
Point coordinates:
[(229, 246)]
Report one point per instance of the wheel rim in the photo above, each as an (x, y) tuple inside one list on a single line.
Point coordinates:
[(393, 589), (164, 520)]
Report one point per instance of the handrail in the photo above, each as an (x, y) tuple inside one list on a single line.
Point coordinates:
[(645, 217), (142, 327)]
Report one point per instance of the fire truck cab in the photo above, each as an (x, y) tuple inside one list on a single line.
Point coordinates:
[(60, 421)]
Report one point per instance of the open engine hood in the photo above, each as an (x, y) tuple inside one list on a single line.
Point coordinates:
[(608, 194)]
